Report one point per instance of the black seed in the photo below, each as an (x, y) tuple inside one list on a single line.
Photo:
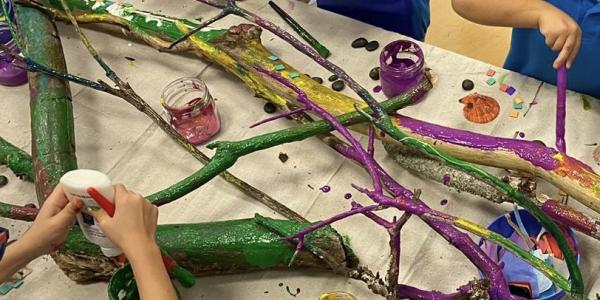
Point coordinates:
[(372, 46), (468, 85), (338, 85), (283, 157), (30, 205), (3, 180), (332, 78), (270, 108), (359, 43), (374, 73), (318, 79)]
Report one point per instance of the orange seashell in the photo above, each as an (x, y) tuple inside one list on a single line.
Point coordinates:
[(479, 108)]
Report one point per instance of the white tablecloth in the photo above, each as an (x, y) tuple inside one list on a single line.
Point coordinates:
[(115, 138)]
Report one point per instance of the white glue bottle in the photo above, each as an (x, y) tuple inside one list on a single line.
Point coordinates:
[(75, 184)]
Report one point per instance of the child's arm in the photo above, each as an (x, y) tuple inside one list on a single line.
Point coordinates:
[(133, 229), (46, 234), (562, 33)]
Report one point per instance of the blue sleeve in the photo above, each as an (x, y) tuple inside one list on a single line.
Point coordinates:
[(408, 17)]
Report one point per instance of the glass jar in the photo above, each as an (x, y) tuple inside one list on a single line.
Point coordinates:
[(192, 109), (401, 67), (9, 74)]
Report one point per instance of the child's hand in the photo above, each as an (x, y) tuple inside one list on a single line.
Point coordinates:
[(134, 224), (52, 224), (562, 34)]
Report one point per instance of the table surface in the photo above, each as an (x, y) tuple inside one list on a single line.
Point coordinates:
[(115, 138)]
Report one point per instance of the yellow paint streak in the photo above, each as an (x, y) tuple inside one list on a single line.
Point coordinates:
[(473, 228), (216, 55)]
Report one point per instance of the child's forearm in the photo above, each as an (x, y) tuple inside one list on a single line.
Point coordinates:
[(17, 256), (515, 13), (151, 277)]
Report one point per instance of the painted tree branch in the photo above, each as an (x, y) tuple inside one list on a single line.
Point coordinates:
[(16, 159), (52, 128), (566, 173)]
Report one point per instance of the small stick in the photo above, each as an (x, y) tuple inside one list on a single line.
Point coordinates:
[(323, 51)]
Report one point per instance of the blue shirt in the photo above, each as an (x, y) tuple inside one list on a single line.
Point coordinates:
[(408, 17), (530, 55)]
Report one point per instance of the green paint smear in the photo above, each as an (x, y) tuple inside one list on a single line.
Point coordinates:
[(587, 102)]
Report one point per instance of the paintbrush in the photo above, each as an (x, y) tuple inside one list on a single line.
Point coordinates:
[(185, 277), (324, 52)]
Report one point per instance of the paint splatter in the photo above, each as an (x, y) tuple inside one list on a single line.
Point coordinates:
[(521, 134), (377, 89), (446, 179), (310, 186), (283, 157), (325, 189), (347, 196), (280, 284), (587, 103), (444, 202), (287, 288), (129, 58)]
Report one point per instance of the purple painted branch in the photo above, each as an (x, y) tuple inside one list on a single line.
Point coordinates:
[(498, 290), (302, 98), (375, 218), (561, 108), (279, 116), (370, 146)]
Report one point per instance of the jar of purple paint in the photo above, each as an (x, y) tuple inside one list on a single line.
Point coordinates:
[(401, 67), (9, 74)]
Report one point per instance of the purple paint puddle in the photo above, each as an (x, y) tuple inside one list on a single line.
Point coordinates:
[(377, 89), (347, 196), (444, 202), (446, 179), (325, 189)]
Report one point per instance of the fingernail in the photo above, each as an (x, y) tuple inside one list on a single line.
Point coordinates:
[(78, 204)]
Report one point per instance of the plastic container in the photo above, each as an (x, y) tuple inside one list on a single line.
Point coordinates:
[(192, 109), (75, 184), (533, 227), (9, 74), (401, 67)]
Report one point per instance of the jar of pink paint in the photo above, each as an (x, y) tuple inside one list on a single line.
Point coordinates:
[(192, 109)]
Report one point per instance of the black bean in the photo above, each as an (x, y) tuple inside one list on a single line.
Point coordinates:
[(372, 46), (468, 85), (374, 73), (338, 85), (333, 78), (318, 79), (359, 43), (270, 108), (3, 180)]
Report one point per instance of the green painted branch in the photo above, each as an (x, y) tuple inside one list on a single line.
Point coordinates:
[(52, 127), (16, 159), (228, 152), (218, 248)]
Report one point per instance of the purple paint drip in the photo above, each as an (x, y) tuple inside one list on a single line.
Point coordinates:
[(533, 152), (377, 89), (347, 196), (325, 189), (561, 108), (446, 179)]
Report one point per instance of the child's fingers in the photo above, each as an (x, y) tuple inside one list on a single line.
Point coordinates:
[(575, 51), (559, 43), (564, 54), (100, 215), (54, 203), (120, 193), (67, 214)]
